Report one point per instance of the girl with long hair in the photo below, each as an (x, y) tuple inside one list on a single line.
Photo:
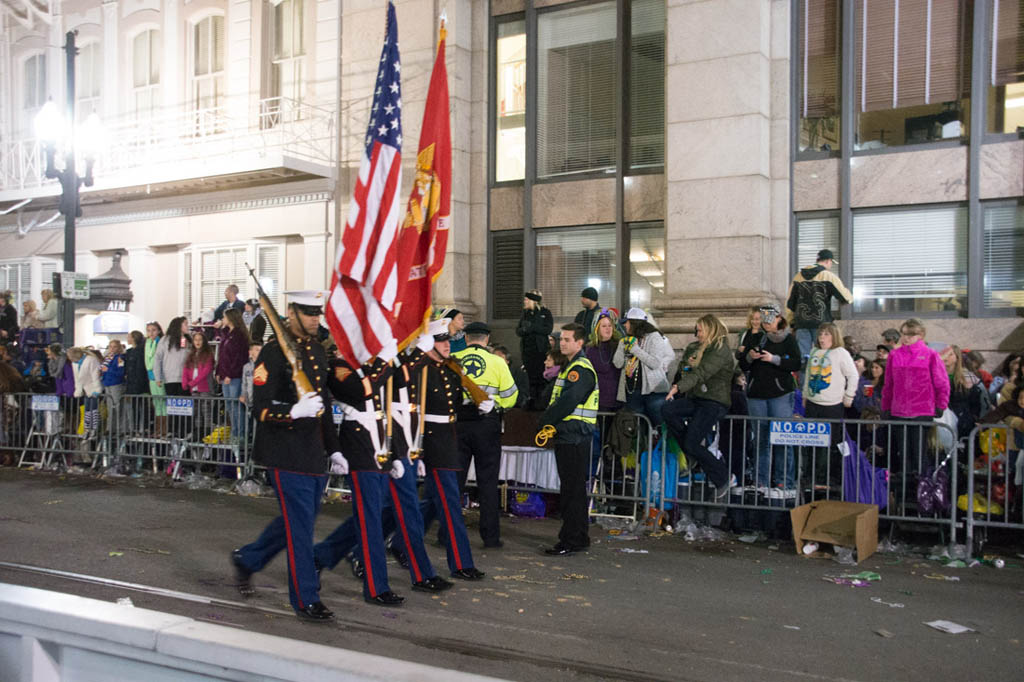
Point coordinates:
[(830, 386), (170, 358), (154, 333), (600, 351), (700, 396)]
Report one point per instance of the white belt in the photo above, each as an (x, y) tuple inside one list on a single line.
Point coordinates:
[(438, 418)]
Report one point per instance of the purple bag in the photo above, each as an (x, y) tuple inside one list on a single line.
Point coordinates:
[(862, 481), (529, 504), (933, 492)]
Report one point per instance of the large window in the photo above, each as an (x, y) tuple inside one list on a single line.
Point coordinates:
[(647, 84), (206, 273), (1006, 67), (88, 80), (575, 90), (819, 42), (1004, 257), (912, 71), (569, 261), (26, 282), (646, 264), (208, 84), (286, 73), (33, 87), (145, 74), (510, 133), (912, 261)]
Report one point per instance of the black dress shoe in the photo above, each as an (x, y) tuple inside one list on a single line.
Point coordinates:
[(243, 576), (315, 613), (435, 584), (468, 574), (561, 550), (400, 556), (358, 570), (388, 598)]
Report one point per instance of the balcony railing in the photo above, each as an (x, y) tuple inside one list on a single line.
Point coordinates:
[(278, 126)]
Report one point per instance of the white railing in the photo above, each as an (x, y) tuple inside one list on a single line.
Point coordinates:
[(277, 125)]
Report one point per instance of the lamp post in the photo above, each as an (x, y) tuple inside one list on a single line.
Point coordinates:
[(51, 128)]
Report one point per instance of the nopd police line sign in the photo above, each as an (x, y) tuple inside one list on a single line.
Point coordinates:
[(799, 432)]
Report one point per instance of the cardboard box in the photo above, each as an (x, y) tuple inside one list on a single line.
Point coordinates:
[(847, 524)]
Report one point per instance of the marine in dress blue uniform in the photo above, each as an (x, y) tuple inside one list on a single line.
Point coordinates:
[(440, 445), (362, 439), (293, 439)]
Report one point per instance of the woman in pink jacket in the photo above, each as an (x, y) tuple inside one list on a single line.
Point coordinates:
[(197, 379), (916, 389)]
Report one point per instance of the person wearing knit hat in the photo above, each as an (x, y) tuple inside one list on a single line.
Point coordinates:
[(588, 316), (532, 330)]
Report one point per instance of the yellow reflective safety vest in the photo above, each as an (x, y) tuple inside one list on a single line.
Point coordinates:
[(586, 411), (490, 373)]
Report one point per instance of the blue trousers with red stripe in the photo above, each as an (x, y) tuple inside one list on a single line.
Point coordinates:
[(443, 500), (404, 518), (361, 531), (299, 497)]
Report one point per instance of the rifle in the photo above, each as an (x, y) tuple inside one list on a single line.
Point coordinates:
[(303, 386), (475, 392)]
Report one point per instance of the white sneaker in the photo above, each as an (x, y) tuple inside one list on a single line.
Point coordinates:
[(780, 493)]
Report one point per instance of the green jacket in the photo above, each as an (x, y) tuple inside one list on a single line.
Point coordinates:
[(712, 378)]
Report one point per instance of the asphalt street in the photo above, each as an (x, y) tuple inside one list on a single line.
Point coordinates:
[(649, 608)]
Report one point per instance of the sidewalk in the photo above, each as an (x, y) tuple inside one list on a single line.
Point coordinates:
[(667, 609)]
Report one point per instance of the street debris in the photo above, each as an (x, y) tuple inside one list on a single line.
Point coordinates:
[(939, 576), (124, 601), (630, 550), (895, 605), (884, 633), (948, 626)]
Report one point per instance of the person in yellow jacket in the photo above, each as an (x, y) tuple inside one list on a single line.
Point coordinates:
[(479, 429), (572, 413)]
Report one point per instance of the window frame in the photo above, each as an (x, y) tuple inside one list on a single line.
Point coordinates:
[(28, 115), (194, 278), (942, 314), (298, 60), (154, 90), (988, 311), (492, 89), (618, 260), (193, 80), (34, 264)]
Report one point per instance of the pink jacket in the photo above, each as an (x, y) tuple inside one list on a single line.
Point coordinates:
[(202, 383), (916, 383)]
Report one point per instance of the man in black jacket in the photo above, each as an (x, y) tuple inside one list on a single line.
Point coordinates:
[(587, 317), (532, 330), (294, 435), (810, 299)]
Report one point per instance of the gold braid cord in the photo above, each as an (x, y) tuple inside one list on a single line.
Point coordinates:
[(544, 435)]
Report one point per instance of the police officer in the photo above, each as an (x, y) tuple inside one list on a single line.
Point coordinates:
[(294, 434), (572, 413), (363, 439), (480, 425), (436, 432)]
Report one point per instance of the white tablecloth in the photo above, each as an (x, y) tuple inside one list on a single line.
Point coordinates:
[(526, 466)]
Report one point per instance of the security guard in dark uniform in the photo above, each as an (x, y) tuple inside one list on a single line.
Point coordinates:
[(363, 440), (436, 389), (480, 425), (569, 422), (294, 435)]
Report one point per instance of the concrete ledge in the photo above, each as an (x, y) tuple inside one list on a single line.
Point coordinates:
[(44, 635)]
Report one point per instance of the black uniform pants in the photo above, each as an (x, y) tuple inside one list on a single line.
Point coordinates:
[(480, 442), (534, 365), (573, 461)]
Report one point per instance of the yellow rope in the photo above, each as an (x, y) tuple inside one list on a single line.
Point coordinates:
[(544, 435)]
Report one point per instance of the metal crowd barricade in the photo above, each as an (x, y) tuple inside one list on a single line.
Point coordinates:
[(134, 433), (993, 492), (176, 433), (880, 463)]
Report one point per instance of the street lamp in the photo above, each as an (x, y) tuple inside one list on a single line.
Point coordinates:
[(52, 129)]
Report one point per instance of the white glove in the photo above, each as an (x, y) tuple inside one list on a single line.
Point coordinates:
[(421, 468), (397, 469), (309, 405), (389, 352), (425, 343), (486, 406), (339, 465)]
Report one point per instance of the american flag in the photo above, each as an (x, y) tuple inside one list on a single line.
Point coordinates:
[(365, 281)]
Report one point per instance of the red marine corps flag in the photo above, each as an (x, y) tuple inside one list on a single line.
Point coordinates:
[(365, 279), (423, 238)]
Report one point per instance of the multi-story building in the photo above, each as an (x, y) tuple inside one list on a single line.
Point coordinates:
[(685, 156)]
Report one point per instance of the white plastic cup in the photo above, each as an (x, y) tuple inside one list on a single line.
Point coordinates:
[(810, 548)]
